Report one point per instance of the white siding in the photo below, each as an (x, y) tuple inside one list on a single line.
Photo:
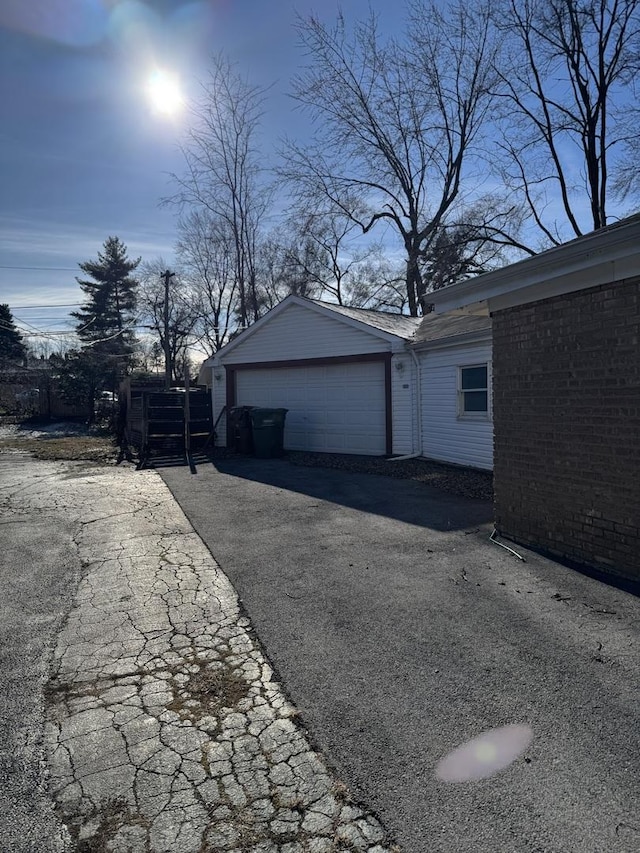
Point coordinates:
[(299, 332), (403, 402), (445, 436), (331, 409)]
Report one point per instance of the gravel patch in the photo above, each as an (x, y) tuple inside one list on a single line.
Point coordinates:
[(467, 482), (454, 479)]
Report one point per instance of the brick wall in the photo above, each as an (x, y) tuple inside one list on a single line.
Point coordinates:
[(566, 412)]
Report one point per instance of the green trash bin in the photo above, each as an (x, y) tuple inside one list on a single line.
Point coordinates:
[(268, 432)]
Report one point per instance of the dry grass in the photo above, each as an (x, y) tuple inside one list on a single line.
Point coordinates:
[(89, 448), (113, 815), (214, 687)]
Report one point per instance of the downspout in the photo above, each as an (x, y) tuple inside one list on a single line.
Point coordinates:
[(417, 453), (216, 367)]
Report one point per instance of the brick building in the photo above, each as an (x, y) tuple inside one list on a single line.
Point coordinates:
[(566, 396)]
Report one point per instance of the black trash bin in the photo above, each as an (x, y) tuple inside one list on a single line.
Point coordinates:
[(239, 432), (268, 432)]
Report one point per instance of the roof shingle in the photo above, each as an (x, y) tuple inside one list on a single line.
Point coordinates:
[(434, 327), (395, 324)]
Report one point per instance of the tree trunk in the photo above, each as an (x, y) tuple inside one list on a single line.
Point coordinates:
[(413, 281), (91, 403)]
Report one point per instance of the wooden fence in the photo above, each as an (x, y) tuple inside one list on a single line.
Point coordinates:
[(166, 423)]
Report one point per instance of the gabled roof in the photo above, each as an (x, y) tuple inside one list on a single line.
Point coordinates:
[(436, 327), (389, 327), (418, 331), (397, 324)]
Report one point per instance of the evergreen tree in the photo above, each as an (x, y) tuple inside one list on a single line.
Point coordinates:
[(106, 319), (107, 316), (105, 327), (80, 377), (12, 347)]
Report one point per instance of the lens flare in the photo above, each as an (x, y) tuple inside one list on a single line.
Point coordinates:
[(485, 755), (77, 23)]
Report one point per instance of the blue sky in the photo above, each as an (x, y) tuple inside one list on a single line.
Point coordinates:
[(82, 152)]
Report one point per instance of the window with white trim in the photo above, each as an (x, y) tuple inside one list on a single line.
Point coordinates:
[(473, 390)]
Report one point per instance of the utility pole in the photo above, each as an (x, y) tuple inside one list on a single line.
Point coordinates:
[(167, 276)]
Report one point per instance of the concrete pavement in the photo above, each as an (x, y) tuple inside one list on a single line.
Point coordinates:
[(165, 728), (39, 570), (400, 632)]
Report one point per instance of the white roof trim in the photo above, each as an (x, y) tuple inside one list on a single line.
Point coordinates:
[(604, 256), (476, 336), (292, 299)]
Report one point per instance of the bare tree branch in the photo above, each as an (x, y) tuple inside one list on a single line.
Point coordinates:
[(567, 72), (206, 250), (223, 173), (396, 122)]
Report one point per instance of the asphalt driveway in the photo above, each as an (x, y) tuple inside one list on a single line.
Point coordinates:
[(400, 631), (39, 571)]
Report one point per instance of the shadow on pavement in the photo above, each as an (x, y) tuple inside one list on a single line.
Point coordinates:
[(400, 499), (176, 460)]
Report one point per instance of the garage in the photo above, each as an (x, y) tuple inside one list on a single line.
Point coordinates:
[(333, 408), (344, 374)]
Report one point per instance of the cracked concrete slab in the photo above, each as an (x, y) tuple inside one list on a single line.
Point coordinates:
[(39, 570), (165, 729)]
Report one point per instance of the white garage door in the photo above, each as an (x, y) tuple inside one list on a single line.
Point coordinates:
[(333, 409)]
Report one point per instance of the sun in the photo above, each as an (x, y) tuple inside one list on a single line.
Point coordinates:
[(164, 92)]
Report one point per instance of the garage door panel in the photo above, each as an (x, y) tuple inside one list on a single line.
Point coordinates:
[(334, 408)]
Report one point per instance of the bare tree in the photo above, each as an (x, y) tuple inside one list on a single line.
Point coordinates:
[(208, 259), (567, 72), (395, 122), (149, 355), (181, 313), (471, 244), (314, 254), (273, 273), (626, 180), (298, 265), (328, 255), (287, 263), (379, 284), (223, 174)]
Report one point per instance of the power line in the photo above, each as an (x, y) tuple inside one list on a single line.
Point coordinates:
[(51, 334), (33, 331), (51, 305), (58, 318), (28, 325), (47, 269)]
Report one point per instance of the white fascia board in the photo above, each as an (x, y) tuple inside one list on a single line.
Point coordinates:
[(476, 337), (580, 278), (605, 256)]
